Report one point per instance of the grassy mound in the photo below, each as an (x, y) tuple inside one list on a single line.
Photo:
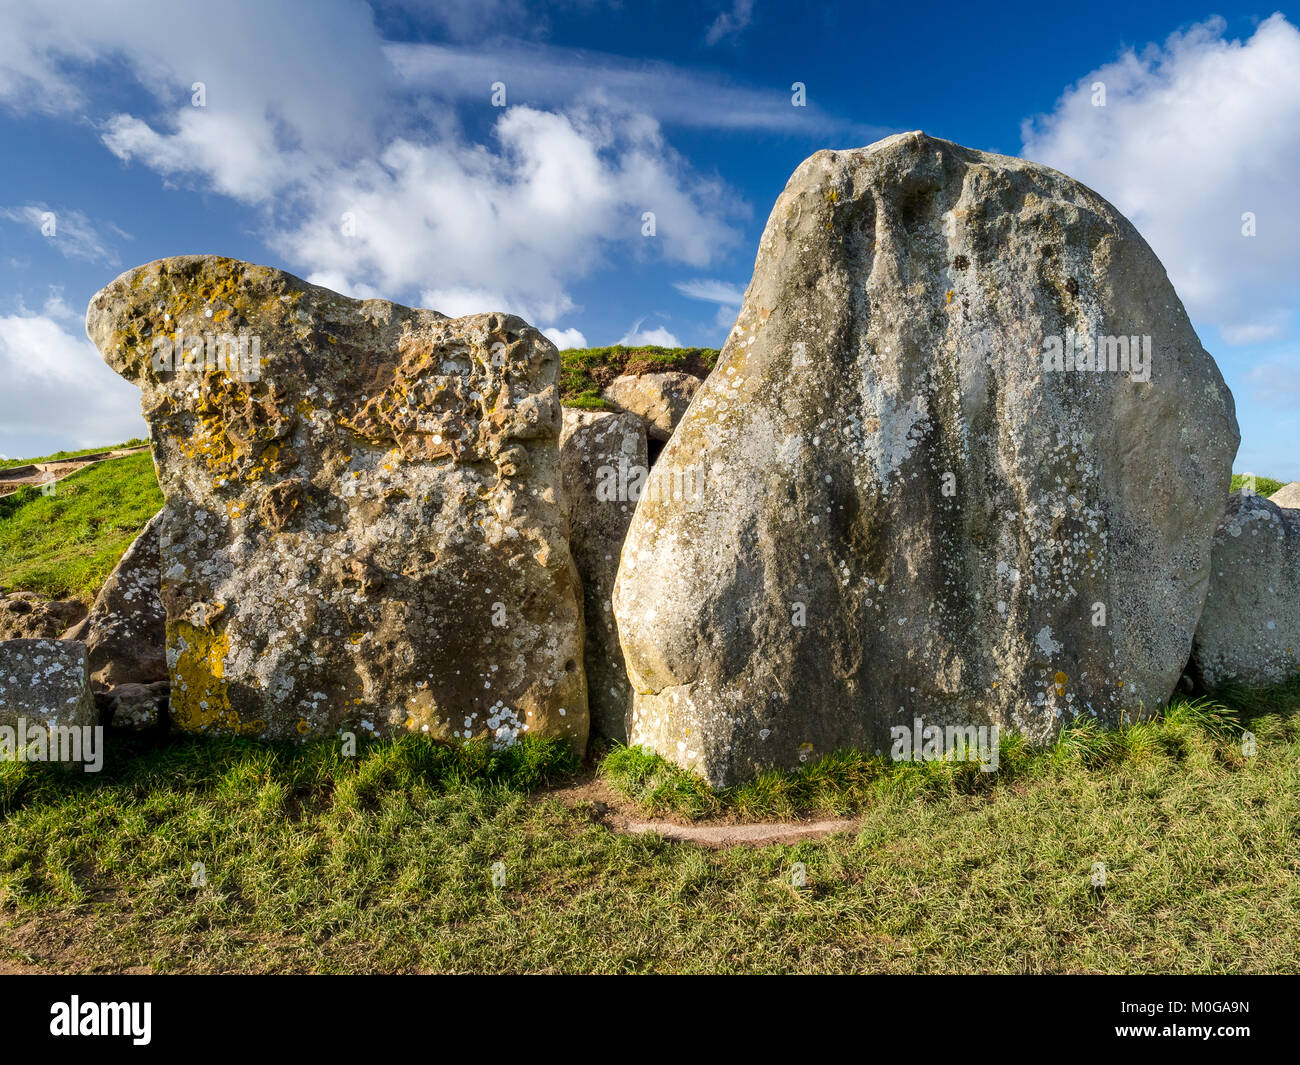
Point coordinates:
[(65, 545), (6, 464), (585, 371)]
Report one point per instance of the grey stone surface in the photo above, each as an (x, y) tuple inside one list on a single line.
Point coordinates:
[(1250, 629), (660, 400), (45, 683), (1288, 496), (134, 706), (909, 509), (605, 464)]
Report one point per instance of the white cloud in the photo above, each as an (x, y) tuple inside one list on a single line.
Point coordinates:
[(73, 234), (476, 229), (711, 291), (1193, 135), (566, 338), (730, 23), (549, 76), (59, 389), (1276, 382), (657, 337), (311, 119)]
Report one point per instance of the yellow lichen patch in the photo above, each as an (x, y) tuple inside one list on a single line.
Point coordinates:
[(1059, 680), (199, 699)]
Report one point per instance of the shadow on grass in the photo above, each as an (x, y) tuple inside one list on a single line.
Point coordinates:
[(844, 782), (310, 773)]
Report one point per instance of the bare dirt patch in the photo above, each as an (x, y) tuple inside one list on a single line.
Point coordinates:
[(611, 810)]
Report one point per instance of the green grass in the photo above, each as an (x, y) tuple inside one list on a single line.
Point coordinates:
[(846, 782), (1264, 486), (384, 862), (6, 464), (65, 545)]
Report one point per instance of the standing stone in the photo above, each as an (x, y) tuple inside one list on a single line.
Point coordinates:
[(910, 508), (125, 632), (605, 466), (363, 527), (658, 399), (1250, 629), (45, 683), (1288, 496)]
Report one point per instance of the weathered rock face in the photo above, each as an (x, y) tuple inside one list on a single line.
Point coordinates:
[(26, 616), (45, 683), (363, 527), (907, 511), (125, 632), (659, 399), (1250, 629), (1288, 496), (605, 466)]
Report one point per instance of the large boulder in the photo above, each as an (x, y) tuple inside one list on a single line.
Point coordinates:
[(605, 466), (125, 632), (660, 400), (1288, 496), (1250, 629), (912, 505), (45, 683), (363, 526)]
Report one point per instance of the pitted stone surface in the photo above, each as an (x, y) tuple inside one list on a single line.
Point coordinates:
[(660, 400), (906, 513), (363, 527), (26, 616)]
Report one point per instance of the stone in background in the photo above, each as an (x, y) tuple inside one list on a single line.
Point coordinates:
[(605, 464), (1250, 629), (125, 632), (658, 399)]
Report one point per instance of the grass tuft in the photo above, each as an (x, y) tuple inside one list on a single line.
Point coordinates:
[(1264, 486), (848, 782)]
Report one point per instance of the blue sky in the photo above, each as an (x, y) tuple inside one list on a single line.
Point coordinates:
[(358, 145)]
